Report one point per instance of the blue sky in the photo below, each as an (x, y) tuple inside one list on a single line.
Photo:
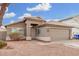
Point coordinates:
[(52, 11)]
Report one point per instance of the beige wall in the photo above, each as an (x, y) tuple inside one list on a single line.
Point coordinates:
[(18, 26)]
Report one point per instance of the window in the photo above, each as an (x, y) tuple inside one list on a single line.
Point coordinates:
[(37, 31)]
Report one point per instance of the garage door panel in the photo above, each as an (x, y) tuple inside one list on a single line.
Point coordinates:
[(59, 34)]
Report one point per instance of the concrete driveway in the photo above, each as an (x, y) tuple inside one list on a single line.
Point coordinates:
[(37, 48)]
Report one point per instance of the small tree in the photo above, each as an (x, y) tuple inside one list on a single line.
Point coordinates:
[(2, 11)]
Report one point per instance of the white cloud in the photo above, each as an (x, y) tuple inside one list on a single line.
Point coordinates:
[(40, 7), (56, 19), (12, 21), (25, 15), (9, 15)]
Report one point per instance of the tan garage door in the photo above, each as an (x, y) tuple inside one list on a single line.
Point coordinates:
[(59, 34)]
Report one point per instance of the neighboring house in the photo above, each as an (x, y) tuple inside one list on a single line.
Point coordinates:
[(37, 28), (72, 21)]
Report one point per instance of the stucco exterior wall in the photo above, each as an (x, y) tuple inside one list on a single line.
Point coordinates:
[(20, 27)]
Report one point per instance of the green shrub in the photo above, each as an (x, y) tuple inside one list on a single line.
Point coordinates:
[(16, 36), (2, 44)]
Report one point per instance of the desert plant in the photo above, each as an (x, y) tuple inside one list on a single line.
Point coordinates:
[(16, 36), (2, 44)]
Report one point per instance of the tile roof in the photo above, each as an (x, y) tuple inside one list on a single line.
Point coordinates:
[(57, 24), (68, 18)]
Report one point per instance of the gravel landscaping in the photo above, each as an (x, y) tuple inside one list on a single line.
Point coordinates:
[(37, 48)]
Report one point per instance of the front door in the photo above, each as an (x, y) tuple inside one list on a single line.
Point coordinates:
[(33, 32)]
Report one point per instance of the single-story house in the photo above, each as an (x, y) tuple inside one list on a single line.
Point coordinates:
[(36, 27), (72, 21)]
